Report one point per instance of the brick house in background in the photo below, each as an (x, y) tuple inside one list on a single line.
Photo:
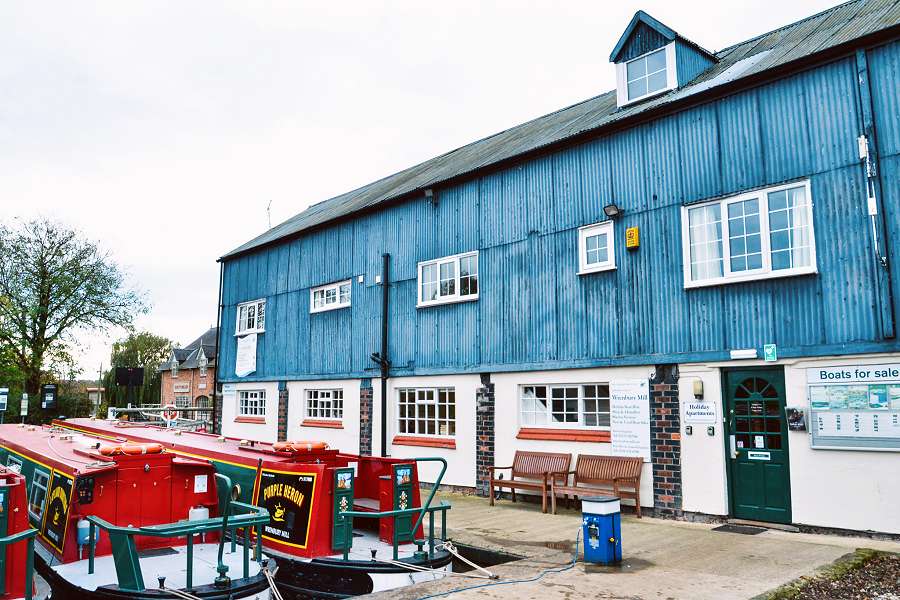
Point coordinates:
[(188, 378)]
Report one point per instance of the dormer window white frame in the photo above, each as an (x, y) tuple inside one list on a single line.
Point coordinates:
[(174, 366), (251, 317), (641, 78), (330, 296), (202, 363)]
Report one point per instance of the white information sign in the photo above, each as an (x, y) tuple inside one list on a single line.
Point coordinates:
[(245, 362), (23, 406), (4, 397), (854, 407), (200, 484), (629, 409), (699, 412)]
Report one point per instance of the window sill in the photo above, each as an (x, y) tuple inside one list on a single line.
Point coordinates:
[(751, 277), (243, 333), (470, 298), (313, 311), (326, 423), (564, 435), (597, 269), (255, 420), (428, 442)]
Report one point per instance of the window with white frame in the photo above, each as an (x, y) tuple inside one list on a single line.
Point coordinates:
[(426, 411), (646, 75), (448, 279), (38, 493), (325, 404), (174, 367), (182, 401), (251, 317), (564, 405), (596, 248), (14, 463), (329, 297), (252, 403), (757, 235), (202, 363)]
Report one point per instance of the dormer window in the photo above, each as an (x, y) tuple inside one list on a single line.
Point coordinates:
[(645, 59), (202, 363), (647, 75)]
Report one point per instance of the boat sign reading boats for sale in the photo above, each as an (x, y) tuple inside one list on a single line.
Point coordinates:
[(855, 373)]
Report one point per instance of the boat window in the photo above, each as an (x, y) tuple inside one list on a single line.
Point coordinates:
[(38, 493), (14, 463)]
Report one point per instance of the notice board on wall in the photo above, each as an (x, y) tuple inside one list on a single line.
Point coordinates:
[(629, 410), (854, 407)]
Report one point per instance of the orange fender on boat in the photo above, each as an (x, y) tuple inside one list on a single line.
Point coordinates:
[(131, 449), (299, 446)]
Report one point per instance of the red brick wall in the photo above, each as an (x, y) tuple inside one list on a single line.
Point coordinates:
[(186, 377)]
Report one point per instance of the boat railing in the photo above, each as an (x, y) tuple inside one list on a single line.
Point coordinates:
[(26, 536), (426, 508), (236, 516)]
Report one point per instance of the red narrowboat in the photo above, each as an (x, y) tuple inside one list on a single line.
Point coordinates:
[(111, 515), (16, 539), (342, 524)]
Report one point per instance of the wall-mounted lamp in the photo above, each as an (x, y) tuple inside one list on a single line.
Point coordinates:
[(430, 197), (612, 210), (698, 389)]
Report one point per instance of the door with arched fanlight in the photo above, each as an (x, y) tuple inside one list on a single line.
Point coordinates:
[(757, 445)]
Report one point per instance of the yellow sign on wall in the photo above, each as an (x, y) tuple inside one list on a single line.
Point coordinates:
[(632, 238)]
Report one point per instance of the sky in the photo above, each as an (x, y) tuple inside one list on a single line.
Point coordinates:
[(163, 130)]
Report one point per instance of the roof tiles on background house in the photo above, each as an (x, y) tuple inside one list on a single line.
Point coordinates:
[(800, 40)]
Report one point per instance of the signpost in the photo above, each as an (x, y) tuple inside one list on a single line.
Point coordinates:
[(4, 399), (23, 407)]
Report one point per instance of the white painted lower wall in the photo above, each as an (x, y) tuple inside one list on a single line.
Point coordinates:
[(704, 483), (850, 489), (461, 460), (846, 489), (261, 432), (506, 416), (345, 439)]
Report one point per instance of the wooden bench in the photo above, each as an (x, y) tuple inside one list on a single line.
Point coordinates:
[(530, 471), (596, 475)]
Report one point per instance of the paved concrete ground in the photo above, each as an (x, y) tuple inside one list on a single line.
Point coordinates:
[(663, 559)]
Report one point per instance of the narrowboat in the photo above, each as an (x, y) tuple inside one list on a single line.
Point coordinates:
[(16, 539), (342, 524), (110, 516)]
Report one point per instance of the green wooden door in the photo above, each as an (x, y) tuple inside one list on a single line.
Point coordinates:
[(759, 469)]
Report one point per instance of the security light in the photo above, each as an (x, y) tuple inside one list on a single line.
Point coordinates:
[(612, 210)]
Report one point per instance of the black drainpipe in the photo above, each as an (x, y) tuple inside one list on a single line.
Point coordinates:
[(383, 360), (215, 384)]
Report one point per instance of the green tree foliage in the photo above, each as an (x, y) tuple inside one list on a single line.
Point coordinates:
[(55, 284), (142, 349)]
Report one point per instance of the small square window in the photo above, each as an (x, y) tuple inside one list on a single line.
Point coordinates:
[(596, 248)]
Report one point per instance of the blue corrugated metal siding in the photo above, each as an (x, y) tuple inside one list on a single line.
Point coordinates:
[(535, 311), (690, 62), (643, 39)]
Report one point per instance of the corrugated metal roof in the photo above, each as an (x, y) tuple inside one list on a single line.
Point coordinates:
[(799, 40)]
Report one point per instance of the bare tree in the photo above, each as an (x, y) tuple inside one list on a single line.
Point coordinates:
[(54, 284)]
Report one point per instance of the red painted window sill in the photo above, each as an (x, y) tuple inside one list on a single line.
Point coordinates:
[(563, 435), (329, 424), (429, 442), (257, 420)]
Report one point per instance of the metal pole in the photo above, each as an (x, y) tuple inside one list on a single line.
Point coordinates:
[(215, 379), (190, 561)]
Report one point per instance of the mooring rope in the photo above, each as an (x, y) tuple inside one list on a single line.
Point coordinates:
[(449, 547), (270, 576), (181, 594)]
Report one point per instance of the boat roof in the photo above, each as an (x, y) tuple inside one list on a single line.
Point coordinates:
[(190, 443), (64, 451)]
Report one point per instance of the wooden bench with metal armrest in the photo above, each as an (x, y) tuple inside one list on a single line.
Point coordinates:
[(596, 475), (531, 471)]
